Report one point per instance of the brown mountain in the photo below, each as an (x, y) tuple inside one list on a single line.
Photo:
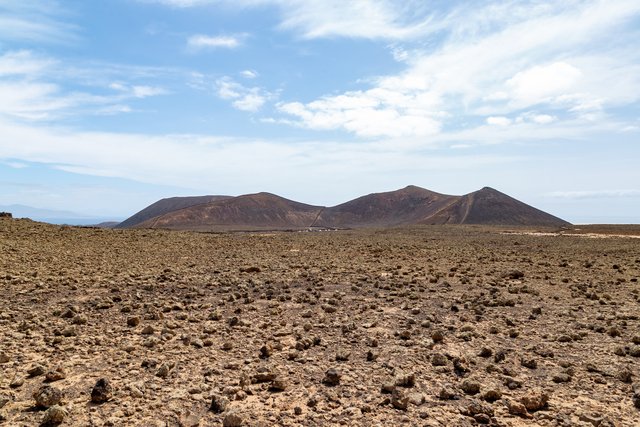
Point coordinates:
[(164, 206), (408, 206), (251, 211), (491, 207)]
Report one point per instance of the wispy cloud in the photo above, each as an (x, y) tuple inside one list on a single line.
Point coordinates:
[(32, 87), (243, 98), (565, 63), (249, 74), (35, 21), (370, 19), (201, 42), (186, 160)]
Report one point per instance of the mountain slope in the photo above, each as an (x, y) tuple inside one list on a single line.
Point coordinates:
[(407, 206), (491, 207), (164, 206), (252, 211)]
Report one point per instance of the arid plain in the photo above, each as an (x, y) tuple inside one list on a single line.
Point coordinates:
[(424, 326)]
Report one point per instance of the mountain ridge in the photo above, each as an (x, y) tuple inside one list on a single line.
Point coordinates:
[(411, 205)]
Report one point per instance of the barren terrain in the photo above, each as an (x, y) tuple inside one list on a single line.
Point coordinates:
[(424, 326)]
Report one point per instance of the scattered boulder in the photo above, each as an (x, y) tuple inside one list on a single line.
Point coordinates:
[(399, 399), (332, 377), (233, 419), (535, 400), (218, 404), (102, 391), (47, 396), (56, 374), (53, 416)]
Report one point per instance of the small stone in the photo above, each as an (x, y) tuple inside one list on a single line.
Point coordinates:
[(227, 345), (513, 275), (482, 418), (56, 374), (405, 334), (69, 331), (164, 369), (343, 355), (517, 408), (439, 359), (564, 338), (485, 352), (636, 396), (297, 410), (80, 319), (47, 396), (218, 404), (530, 363), (278, 384), (133, 321), (102, 391), (593, 419), (470, 386), (535, 400), (36, 371), (266, 351), (492, 395), (437, 336), (461, 365), (233, 419), (371, 356), (17, 381), (447, 393), (634, 351), (561, 377), (332, 377), (147, 330), (4, 357), (54, 415), (405, 380), (416, 399), (399, 399), (625, 375)]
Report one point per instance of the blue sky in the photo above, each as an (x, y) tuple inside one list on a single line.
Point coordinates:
[(107, 106)]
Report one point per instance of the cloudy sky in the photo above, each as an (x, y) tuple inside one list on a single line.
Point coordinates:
[(107, 106)]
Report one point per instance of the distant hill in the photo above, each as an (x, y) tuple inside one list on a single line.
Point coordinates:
[(165, 206), (261, 210), (52, 216), (408, 206), (491, 207)]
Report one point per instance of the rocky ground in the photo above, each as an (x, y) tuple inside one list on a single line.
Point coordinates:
[(433, 326)]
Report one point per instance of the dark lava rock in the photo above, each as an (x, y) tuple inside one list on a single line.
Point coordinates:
[(102, 391)]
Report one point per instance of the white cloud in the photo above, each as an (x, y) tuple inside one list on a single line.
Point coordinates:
[(198, 42), (543, 119), (34, 21), (542, 83), (498, 121), (249, 74), (204, 162), (32, 88), (371, 19), (23, 62), (146, 91), (243, 98), (499, 60)]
